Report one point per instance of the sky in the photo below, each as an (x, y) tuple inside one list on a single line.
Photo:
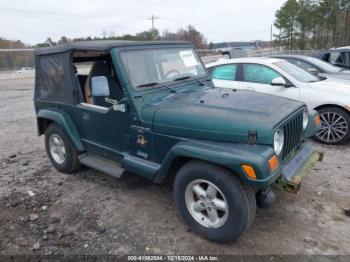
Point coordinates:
[(220, 21)]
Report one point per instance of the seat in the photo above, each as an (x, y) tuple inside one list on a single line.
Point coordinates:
[(100, 68), (79, 91)]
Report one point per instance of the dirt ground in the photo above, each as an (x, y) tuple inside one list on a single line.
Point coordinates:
[(43, 211)]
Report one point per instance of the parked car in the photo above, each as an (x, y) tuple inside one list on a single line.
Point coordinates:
[(316, 66), (331, 98), (150, 108), (25, 70), (337, 57)]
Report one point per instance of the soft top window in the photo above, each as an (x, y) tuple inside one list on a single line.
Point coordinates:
[(53, 78)]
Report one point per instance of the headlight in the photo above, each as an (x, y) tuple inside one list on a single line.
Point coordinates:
[(305, 118), (278, 141)]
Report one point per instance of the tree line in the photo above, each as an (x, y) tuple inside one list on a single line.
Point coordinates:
[(313, 24), (190, 33), (6, 44), (18, 59)]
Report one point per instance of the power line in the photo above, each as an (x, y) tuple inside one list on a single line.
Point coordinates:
[(22, 11)]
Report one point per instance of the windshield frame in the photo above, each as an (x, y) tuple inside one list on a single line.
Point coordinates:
[(159, 47)]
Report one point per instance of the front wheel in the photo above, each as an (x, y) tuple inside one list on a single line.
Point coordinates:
[(213, 202), (335, 126)]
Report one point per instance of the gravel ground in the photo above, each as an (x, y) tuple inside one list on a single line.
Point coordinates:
[(47, 212)]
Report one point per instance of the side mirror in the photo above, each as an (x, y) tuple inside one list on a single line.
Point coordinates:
[(312, 70), (99, 86), (278, 81)]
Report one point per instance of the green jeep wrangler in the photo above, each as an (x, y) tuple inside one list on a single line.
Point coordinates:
[(150, 108)]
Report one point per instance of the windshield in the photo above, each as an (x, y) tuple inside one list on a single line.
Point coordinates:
[(326, 67), (296, 72), (154, 66)]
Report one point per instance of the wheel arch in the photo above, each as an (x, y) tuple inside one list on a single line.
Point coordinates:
[(176, 164), (43, 123), (183, 152), (45, 117), (317, 108)]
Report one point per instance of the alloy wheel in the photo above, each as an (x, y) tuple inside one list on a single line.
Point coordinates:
[(57, 149), (334, 127), (206, 203)]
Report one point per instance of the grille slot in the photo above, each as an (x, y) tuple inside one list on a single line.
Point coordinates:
[(292, 134)]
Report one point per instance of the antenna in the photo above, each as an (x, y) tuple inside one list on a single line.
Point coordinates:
[(153, 30)]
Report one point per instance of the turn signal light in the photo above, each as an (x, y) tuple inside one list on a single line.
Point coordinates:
[(273, 163), (250, 172), (317, 120)]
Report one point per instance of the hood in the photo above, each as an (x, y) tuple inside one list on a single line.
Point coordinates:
[(220, 114), (333, 87), (341, 75)]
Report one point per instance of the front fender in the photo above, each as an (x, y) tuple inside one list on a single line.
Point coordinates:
[(311, 129), (229, 155), (64, 120)]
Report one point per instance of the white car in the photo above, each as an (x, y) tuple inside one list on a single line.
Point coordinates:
[(25, 70), (330, 97)]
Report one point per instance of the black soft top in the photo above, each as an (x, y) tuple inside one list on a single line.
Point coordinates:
[(101, 45)]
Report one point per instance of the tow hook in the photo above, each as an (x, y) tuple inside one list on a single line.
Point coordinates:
[(265, 198)]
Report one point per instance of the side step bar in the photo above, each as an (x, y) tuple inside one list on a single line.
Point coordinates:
[(102, 165)]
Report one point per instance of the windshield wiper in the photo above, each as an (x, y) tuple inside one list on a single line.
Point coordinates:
[(202, 83), (148, 84), (181, 78), (171, 89), (156, 83)]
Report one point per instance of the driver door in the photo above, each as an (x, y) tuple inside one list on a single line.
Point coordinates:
[(104, 130), (258, 78)]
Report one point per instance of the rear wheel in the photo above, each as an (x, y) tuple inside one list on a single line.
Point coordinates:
[(335, 126), (59, 150), (213, 202)]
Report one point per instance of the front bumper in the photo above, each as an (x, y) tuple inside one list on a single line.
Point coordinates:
[(297, 168)]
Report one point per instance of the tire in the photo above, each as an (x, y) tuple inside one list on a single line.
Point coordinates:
[(240, 201), (333, 135), (67, 161)]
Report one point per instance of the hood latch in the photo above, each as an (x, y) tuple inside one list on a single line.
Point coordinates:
[(252, 136)]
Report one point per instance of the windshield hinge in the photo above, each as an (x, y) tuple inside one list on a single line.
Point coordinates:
[(252, 136)]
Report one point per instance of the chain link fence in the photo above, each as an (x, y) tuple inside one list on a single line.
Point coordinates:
[(16, 63), (209, 56), (277, 51)]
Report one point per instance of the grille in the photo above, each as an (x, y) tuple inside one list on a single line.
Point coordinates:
[(292, 134)]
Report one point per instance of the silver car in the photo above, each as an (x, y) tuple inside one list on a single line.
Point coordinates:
[(316, 66)]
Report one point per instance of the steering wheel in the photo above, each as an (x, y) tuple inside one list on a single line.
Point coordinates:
[(174, 72)]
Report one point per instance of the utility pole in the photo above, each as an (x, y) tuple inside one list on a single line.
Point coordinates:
[(153, 29), (347, 36), (271, 40)]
